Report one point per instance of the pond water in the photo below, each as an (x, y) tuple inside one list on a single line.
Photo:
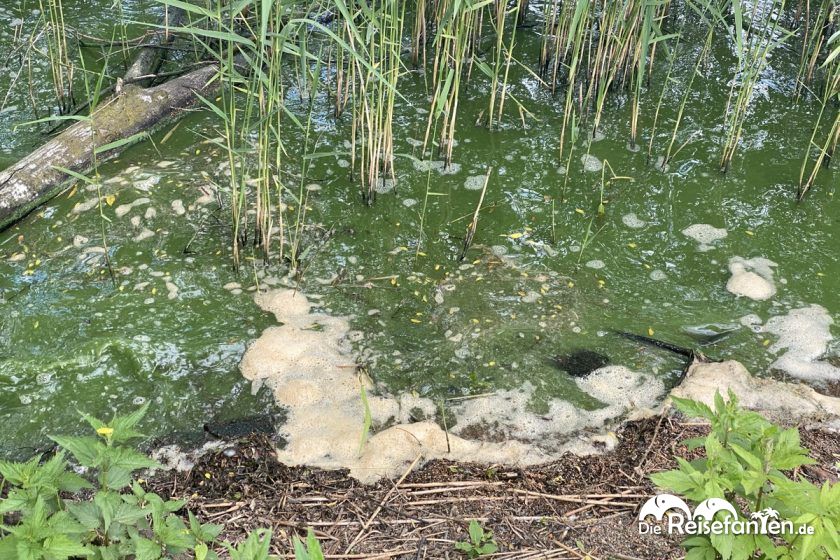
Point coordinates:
[(547, 274)]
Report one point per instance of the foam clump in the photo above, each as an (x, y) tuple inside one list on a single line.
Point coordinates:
[(309, 365), (775, 399), (751, 278), (508, 415), (803, 336), (632, 221), (704, 234), (591, 163)]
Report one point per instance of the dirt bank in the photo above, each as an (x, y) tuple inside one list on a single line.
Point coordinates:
[(573, 507)]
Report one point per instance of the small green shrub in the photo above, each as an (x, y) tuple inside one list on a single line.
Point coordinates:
[(746, 457), (45, 517), (481, 542)]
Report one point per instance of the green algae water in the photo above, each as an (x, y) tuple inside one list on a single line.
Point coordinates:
[(125, 293)]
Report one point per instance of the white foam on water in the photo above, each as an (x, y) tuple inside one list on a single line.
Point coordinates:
[(426, 165), (591, 163), (657, 275), (803, 338), (124, 209), (751, 278), (596, 264), (384, 185), (309, 365), (475, 182), (705, 234), (632, 221)]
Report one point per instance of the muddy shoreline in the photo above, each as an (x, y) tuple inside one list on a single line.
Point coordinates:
[(569, 508)]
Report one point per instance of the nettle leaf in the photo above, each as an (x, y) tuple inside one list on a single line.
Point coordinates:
[(115, 478), (61, 547), (788, 453), (723, 544), (743, 547), (146, 549), (86, 513), (692, 408), (17, 500), (124, 425), (748, 457), (87, 450), (129, 459), (71, 482), (63, 522)]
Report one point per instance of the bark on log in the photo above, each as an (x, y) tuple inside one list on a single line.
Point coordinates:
[(36, 178)]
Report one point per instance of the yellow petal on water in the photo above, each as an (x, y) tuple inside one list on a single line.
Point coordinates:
[(571, 284), (105, 431), (421, 254), (631, 245), (515, 235), (820, 274), (580, 211), (36, 325), (154, 291), (650, 331), (59, 239), (765, 342), (73, 191), (416, 321), (476, 261), (437, 267), (37, 262), (110, 199), (121, 288), (394, 281), (750, 233), (602, 282)]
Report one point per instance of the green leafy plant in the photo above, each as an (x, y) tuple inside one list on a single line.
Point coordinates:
[(309, 551), (44, 517), (745, 461), (481, 542)]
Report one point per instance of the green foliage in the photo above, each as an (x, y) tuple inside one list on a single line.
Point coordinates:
[(45, 518), (745, 456), (311, 550), (481, 542)]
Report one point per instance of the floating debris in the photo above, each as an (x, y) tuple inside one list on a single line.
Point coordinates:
[(704, 234), (595, 264), (124, 209), (178, 207), (751, 278), (803, 335), (591, 163), (475, 182), (632, 221)]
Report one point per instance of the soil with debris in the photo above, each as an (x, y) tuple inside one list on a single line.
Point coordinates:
[(575, 507)]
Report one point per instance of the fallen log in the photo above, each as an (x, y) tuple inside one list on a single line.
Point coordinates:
[(42, 174)]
